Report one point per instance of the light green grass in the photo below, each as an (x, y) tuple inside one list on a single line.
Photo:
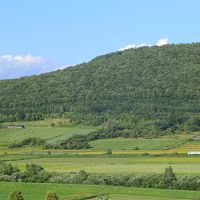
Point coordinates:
[(72, 192), (130, 143), (115, 164), (189, 146), (135, 197), (52, 134)]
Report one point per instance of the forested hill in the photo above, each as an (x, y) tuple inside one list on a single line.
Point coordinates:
[(143, 84)]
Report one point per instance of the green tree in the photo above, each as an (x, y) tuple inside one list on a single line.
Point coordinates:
[(35, 173), (169, 177), (193, 124), (109, 151), (7, 169), (16, 195), (51, 196), (82, 176)]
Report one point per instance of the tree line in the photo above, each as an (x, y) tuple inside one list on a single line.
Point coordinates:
[(36, 174)]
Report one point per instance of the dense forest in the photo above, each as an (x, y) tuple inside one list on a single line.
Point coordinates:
[(146, 89)]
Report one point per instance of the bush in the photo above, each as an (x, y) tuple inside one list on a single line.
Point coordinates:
[(34, 141), (168, 178), (35, 173), (74, 142), (96, 180), (16, 195), (7, 169), (109, 152), (51, 196)]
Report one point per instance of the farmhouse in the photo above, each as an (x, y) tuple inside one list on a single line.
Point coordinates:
[(15, 126)]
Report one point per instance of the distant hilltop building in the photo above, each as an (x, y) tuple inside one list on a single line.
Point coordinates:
[(16, 126), (194, 153)]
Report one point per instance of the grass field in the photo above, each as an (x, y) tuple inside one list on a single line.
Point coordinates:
[(75, 192), (116, 164), (45, 131), (132, 143)]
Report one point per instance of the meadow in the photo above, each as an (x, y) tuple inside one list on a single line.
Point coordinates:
[(81, 192), (115, 164), (52, 130), (136, 144)]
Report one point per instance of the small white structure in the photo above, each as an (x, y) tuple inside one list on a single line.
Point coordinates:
[(194, 153)]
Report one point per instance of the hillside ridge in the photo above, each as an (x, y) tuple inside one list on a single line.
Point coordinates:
[(144, 84)]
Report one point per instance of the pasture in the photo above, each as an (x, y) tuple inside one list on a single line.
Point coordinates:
[(78, 192), (136, 144), (51, 133), (115, 164)]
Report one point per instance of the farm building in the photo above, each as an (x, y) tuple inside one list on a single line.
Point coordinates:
[(16, 126), (194, 153)]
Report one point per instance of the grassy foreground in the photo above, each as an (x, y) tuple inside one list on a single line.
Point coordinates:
[(71, 192)]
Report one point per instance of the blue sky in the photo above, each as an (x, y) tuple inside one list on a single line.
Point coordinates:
[(43, 35)]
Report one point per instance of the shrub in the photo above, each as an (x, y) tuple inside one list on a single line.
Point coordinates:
[(7, 169), (34, 141), (74, 142), (168, 178), (109, 152), (16, 195), (51, 196), (35, 173)]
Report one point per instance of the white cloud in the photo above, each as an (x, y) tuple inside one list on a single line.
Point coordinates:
[(66, 66), (160, 42), (23, 59), (24, 65), (132, 46)]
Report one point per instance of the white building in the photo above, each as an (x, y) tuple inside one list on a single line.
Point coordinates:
[(194, 153)]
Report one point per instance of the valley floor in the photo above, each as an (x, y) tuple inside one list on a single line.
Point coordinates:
[(129, 156)]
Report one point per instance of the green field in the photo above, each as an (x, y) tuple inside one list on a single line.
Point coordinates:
[(124, 159), (129, 156), (75, 192), (116, 164), (43, 130), (131, 143)]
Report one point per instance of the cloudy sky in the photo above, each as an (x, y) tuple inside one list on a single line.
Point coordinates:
[(40, 36)]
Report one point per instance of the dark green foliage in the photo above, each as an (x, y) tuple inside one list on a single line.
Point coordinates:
[(169, 177), (51, 196), (109, 152), (16, 195), (29, 142), (145, 90), (82, 175), (74, 142), (7, 169), (35, 173), (193, 124)]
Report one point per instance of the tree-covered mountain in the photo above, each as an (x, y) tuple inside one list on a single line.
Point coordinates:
[(153, 86)]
